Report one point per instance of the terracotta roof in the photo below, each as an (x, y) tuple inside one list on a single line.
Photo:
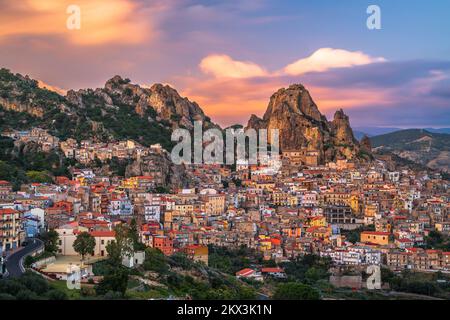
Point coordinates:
[(102, 233), (245, 272)]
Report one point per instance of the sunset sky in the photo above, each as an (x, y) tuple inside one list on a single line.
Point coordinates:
[(231, 55)]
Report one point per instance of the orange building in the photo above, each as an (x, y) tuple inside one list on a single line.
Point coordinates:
[(380, 238), (164, 244)]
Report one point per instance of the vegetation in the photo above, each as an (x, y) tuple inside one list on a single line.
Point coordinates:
[(115, 275), (124, 123), (230, 260), (26, 163), (50, 239), (437, 240), (29, 260), (120, 121), (84, 244), (155, 261), (418, 283), (308, 269), (296, 291), (183, 277), (29, 286), (403, 139)]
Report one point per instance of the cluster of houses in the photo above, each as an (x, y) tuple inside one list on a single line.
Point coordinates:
[(85, 151), (293, 211)]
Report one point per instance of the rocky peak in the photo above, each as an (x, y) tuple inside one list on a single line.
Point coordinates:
[(162, 100), (295, 99), (341, 129), (302, 127)]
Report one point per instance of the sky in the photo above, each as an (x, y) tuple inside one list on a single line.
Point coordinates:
[(230, 56)]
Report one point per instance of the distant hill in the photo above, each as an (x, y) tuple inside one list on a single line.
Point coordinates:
[(417, 145), (376, 131), (440, 130)]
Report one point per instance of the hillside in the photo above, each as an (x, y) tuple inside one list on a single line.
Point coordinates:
[(119, 110), (417, 145)]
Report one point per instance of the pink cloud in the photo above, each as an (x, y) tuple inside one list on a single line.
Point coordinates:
[(241, 88), (328, 58)]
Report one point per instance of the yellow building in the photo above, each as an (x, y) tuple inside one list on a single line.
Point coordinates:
[(370, 210), (318, 221), (380, 238), (214, 203), (280, 198), (354, 204)]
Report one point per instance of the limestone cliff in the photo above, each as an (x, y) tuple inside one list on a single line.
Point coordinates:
[(303, 127)]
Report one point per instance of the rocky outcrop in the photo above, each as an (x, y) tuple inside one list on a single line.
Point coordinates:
[(365, 144), (161, 168), (165, 101), (27, 107), (303, 127), (341, 130)]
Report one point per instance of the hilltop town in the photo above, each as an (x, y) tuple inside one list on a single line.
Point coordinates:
[(110, 201), (355, 213)]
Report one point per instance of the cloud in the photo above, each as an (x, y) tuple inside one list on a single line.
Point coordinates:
[(239, 88), (324, 59), (223, 66), (102, 21), (372, 94), (328, 58)]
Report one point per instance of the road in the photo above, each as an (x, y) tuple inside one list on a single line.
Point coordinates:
[(14, 263)]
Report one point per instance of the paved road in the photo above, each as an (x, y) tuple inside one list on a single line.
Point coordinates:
[(14, 263)]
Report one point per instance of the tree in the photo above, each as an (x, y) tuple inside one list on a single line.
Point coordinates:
[(29, 260), (39, 176), (133, 234), (50, 239), (116, 280), (155, 261), (56, 295), (123, 239), (161, 189), (84, 244), (296, 291), (114, 253)]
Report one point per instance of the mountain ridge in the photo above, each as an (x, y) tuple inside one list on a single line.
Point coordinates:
[(119, 110), (418, 145)]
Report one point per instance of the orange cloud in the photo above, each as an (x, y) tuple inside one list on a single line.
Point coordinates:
[(242, 88), (102, 21), (223, 66), (231, 101), (329, 58)]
